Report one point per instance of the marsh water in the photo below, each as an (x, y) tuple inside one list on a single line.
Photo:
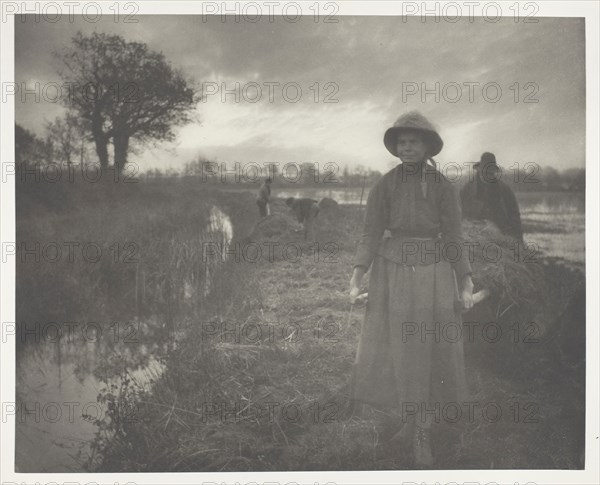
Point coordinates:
[(61, 373)]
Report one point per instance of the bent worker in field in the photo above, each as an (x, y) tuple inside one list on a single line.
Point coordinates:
[(488, 197), (306, 211), (394, 372)]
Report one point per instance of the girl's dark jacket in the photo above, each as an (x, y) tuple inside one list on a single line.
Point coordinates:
[(410, 201)]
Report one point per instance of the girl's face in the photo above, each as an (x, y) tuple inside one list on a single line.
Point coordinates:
[(411, 148)]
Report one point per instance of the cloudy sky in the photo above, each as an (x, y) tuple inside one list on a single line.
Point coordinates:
[(369, 62)]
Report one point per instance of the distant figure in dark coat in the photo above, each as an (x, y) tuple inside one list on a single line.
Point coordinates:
[(264, 197), (487, 197), (306, 211)]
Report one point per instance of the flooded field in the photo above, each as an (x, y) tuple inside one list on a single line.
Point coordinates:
[(552, 221), (555, 224)]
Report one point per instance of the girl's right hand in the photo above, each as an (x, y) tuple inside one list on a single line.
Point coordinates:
[(355, 283), (354, 292)]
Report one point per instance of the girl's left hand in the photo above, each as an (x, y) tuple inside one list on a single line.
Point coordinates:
[(467, 297), (467, 292)]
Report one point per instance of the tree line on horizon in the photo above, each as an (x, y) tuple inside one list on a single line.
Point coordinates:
[(132, 96), (65, 144)]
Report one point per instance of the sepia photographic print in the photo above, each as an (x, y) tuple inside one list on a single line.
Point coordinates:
[(300, 242)]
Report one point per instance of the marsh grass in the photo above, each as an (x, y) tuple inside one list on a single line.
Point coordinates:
[(144, 250)]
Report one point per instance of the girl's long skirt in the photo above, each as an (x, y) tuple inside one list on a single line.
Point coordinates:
[(410, 355)]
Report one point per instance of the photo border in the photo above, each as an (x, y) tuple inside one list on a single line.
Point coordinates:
[(589, 475)]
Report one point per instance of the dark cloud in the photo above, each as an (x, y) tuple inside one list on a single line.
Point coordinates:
[(368, 59)]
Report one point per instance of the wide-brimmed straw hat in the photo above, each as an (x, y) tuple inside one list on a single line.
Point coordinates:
[(486, 159), (414, 121)]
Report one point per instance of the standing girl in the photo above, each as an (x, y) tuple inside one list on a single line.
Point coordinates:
[(410, 354)]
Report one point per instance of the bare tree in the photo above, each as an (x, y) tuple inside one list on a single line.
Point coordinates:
[(30, 150), (67, 137)]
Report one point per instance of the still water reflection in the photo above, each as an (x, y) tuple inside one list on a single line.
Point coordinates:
[(58, 383), (60, 374)]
